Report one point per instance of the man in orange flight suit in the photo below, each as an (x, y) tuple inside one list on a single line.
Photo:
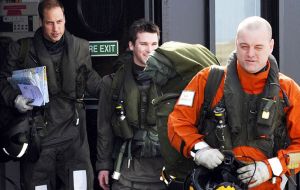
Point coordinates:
[(251, 80)]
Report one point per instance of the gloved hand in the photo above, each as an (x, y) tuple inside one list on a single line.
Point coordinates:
[(208, 157), (257, 172), (21, 103), (103, 178)]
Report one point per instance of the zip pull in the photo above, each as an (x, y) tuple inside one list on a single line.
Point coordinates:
[(77, 117), (128, 162), (77, 121), (129, 154)]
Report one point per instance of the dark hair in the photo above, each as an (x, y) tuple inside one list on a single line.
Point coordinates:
[(142, 25), (48, 4)]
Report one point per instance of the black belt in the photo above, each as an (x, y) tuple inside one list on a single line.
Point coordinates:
[(171, 182)]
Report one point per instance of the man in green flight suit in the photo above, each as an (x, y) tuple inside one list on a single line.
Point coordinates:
[(127, 132)]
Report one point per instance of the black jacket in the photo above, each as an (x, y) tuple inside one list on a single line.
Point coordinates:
[(60, 113), (105, 137)]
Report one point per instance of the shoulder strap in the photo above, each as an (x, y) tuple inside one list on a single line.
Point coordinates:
[(24, 49), (213, 82), (117, 84)]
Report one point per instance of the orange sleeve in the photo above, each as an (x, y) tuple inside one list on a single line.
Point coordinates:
[(292, 90), (182, 123)]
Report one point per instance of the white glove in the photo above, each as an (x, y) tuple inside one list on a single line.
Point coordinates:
[(208, 157), (257, 172), (21, 103), (103, 178)]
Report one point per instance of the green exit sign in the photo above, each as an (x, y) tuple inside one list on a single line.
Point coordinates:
[(104, 48)]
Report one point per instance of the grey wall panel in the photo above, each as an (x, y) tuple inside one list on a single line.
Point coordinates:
[(289, 38), (183, 21)]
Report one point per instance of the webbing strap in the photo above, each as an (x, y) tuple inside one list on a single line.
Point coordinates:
[(24, 49), (117, 84), (213, 82)]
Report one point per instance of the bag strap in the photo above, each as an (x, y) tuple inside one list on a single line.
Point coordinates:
[(117, 84), (165, 97), (24, 49), (213, 82)]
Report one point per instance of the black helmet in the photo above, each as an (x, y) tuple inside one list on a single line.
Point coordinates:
[(222, 177), (15, 139)]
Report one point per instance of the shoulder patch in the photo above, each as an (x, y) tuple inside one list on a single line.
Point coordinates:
[(186, 98)]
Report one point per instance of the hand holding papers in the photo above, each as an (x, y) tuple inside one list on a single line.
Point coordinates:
[(32, 83), (22, 104), (32, 92)]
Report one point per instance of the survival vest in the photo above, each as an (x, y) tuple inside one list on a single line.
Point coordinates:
[(253, 120), (171, 67), (133, 117)]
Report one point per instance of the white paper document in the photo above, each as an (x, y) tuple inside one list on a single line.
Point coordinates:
[(32, 83), (32, 92)]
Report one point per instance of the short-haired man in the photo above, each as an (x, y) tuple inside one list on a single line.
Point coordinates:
[(260, 102), (125, 105), (64, 161)]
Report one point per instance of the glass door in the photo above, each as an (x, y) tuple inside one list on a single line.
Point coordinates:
[(228, 14)]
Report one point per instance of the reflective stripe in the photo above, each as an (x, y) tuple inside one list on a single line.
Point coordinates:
[(283, 181), (23, 150), (198, 146), (41, 187), (5, 151), (276, 166), (80, 180), (294, 160)]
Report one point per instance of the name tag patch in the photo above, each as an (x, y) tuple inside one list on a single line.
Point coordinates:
[(186, 98)]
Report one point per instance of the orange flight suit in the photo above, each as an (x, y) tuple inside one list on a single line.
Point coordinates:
[(182, 123)]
